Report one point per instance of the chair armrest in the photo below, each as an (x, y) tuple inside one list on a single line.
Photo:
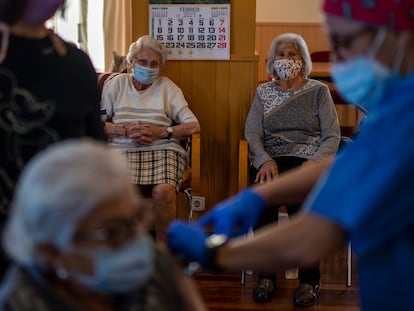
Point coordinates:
[(243, 164)]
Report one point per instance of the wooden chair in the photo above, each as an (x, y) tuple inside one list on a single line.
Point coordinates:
[(191, 176), (346, 131), (343, 108), (320, 56), (243, 182)]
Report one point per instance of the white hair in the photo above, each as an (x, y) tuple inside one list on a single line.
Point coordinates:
[(59, 186), (286, 39), (147, 42)]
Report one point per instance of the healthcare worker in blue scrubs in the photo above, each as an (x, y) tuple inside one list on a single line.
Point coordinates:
[(364, 195)]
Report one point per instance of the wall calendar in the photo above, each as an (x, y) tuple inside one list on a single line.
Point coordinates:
[(197, 30)]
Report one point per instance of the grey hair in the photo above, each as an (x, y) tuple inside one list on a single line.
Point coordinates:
[(147, 42), (299, 43), (59, 186)]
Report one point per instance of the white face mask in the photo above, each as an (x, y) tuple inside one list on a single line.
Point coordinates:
[(287, 69), (362, 80)]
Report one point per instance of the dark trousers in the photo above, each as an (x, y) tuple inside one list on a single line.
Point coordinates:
[(309, 275)]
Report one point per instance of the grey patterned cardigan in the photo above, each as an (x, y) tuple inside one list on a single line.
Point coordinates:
[(301, 123)]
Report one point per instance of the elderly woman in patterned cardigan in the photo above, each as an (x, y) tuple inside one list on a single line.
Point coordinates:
[(292, 122), (146, 116)]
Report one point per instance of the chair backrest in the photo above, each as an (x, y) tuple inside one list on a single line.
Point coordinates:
[(103, 77), (320, 56), (343, 107)]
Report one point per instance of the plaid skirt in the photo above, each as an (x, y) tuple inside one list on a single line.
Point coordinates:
[(155, 167)]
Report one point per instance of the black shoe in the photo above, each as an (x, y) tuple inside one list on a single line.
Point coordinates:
[(306, 294), (264, 290)]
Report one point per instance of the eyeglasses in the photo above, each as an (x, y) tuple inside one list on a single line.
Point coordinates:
[(117, 233), (345, 41), (146, 63)]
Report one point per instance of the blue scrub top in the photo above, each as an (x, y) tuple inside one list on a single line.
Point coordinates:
[(369, 191)]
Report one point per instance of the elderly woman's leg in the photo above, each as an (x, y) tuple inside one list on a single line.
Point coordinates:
[(165, 199)]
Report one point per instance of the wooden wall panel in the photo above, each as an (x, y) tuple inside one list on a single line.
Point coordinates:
[(242, 32), (220, 94)]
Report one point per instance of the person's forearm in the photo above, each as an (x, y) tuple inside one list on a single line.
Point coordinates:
[(303, 241), (112, 129), (328, 147), (185, 129), (293, 186), (191, 295)]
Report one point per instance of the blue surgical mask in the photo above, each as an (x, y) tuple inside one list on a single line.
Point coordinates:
[(145, 75), (362, 80), (122, 270)]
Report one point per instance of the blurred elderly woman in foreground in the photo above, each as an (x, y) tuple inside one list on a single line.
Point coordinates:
[(146, 116), (77, 235)]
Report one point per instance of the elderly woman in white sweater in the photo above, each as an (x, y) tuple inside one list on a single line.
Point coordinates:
[(146, 116)]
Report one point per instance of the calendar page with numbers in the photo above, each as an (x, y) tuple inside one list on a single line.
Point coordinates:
[(191, 30)]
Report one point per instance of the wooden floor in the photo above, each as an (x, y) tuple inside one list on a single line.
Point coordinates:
[(225, 292)]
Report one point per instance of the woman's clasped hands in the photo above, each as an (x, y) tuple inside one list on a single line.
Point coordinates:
[(143, 133)]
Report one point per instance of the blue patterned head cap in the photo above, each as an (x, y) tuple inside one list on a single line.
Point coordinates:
[(393, 14)]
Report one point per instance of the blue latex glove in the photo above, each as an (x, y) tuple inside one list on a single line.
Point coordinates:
[(187, 241), (236, 215)]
